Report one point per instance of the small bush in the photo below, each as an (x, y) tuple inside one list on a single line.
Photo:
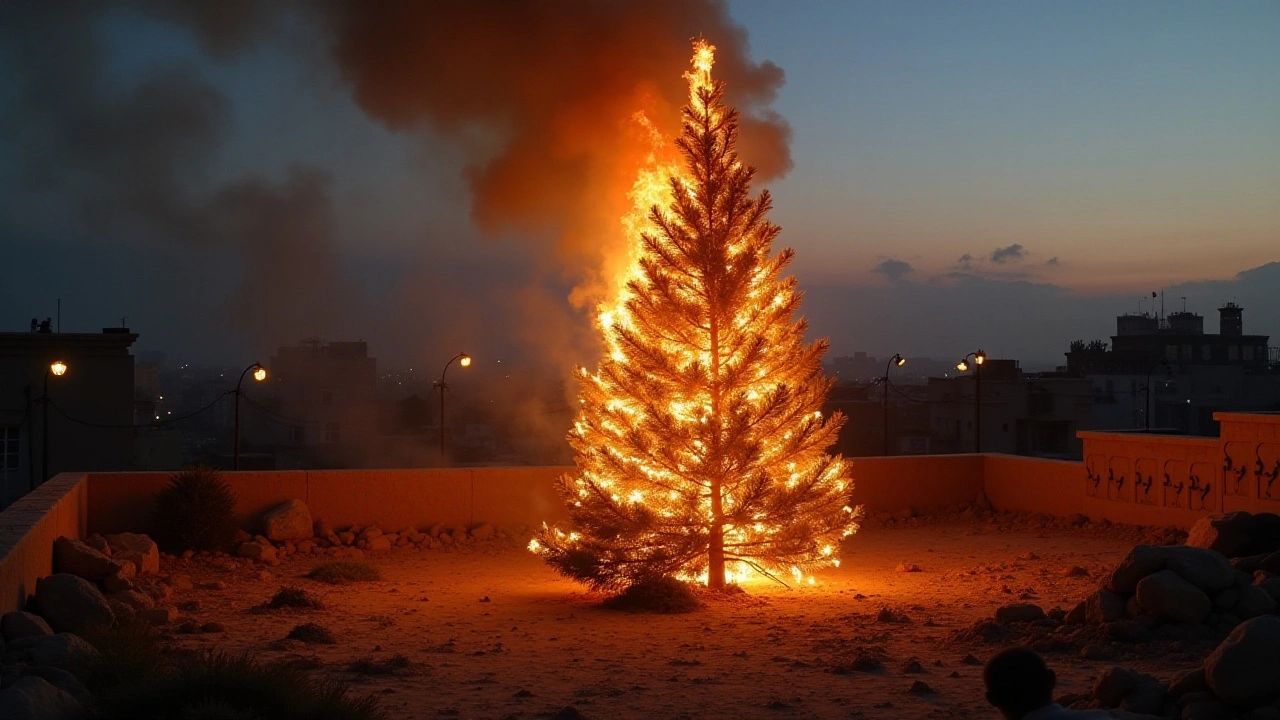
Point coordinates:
[(220, 686), (195, 511), (128, 652), (292, 597), (395, 665), (312, 633), (341, 572), (659, 595)]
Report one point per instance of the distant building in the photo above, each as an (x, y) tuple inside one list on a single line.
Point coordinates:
[(1169, 374), (323, 407), (91, 410), (1022, 414)]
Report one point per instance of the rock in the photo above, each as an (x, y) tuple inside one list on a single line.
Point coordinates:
[(1167, 596), (121, 611), (1141, 561), (1115, 683), (257, 552), (99, 543), (347, 538), (1188, 681), (1145, 699), (180, 582), (1103, 607), (483, 531), (1128, 630), (138, 549), (1206, 710), (289, 520), (459, 534), (72, 604), (1242, 671), (1077, 614), (162, 615), (321, 528), (34, 698), (379, 544), (73, 556), (18, 624), (372, 531), (61, 679), (120, 580), (134, 599), (64, 651), (446, 539), (305, 547), (1132, 609), (1254, 601), (1019, 612), (919, 687), (1266, 712), (1226, 600), (213, 627), (1265, 535), (1271, 585), (1229, 534), (1206, 569)]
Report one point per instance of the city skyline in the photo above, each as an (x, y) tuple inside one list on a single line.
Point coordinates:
[(940, 196)]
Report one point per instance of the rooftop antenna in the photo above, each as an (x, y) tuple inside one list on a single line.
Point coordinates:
[(59, 325), (1184, 303)]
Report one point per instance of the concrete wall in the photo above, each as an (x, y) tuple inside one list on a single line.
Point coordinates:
[(1027, 484), (28, 528), (923, 482)]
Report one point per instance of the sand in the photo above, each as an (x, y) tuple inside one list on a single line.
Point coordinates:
[(489, 631)]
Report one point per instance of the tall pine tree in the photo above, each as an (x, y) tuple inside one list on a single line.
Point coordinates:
[(701, 446)]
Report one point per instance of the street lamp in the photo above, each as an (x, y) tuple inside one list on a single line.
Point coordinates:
[(979, 358), (895, 361), (259, 374), (465, 361), (57, 368)]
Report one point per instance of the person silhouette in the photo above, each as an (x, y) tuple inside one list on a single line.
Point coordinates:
[(1020, 686)]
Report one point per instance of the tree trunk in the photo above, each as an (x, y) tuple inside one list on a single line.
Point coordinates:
[(715, 538)]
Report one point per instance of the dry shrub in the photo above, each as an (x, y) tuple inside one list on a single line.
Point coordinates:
[(665, 595), (195, 511), (312, 633), (293, 597), (395, 665)]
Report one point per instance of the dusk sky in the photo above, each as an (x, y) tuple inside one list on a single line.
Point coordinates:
[(1009, 175)]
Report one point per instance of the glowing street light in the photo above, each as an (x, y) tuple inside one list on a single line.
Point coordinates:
[(58, 369), (895, 361), (465, 361), (979, 358), (259, 374)]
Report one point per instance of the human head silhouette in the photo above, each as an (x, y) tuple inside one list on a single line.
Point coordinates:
[(1018, 682)]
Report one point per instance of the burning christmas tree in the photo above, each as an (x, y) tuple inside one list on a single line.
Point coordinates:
[(701, 446)]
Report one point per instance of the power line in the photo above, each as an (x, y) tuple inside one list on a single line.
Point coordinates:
[(166, 421)]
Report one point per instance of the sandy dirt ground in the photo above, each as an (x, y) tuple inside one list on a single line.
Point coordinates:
[(490, 632)]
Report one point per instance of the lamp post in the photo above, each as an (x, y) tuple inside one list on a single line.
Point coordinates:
[(259, 374), (979, 358), (465, 361), (58, 369), (1147, 390), (895, 361)]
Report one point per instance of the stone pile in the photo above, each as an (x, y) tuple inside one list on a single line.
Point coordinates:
[(288, 529), (96, 582)]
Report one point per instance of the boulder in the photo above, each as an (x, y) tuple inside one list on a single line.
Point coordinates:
[(73, 556), (1167, 596), (379, 544), (1266, 712), (64, 651), (1115, 683), (72, 604), (1230, 534), (34, 698), (321, 528), (18, 624), (134, 599), (1266, 534), (1271, 585), (61, 679), (290, 520), (1188, 681), (162, 615), (1226, 600), (1077, 615), (1141, 561), (1255, 601), (257, 552), (1019, 612), (1103, 607), (483, 531), (1145, 699), (1242, 671), (137, 549), (99, 543), (1206, 569)]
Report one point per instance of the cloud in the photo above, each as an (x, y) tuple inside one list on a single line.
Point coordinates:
[(893, 269), (1053, 261), (965, 262), (1012, 253)]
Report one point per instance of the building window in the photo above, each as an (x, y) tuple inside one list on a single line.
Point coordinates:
[(332, 432), (1206, 353), (1248, 353), (9, 452), (1171, 353), (1233, 353), (1186, 352)]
